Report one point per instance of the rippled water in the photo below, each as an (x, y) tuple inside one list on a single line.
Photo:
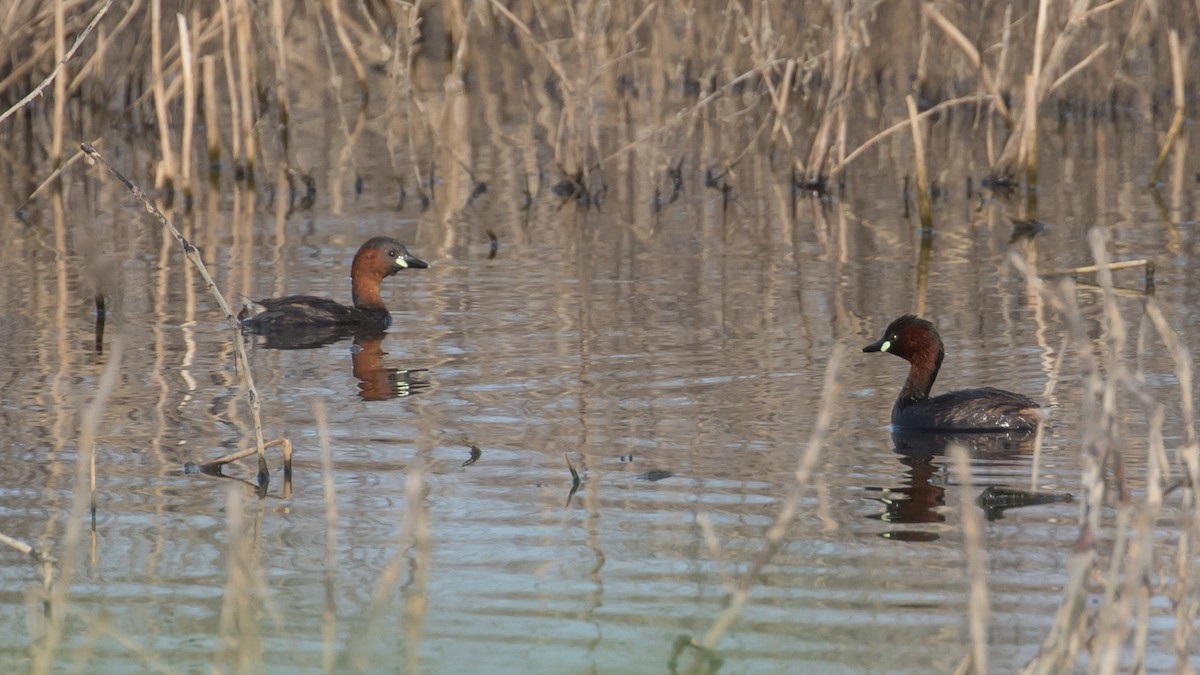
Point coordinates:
[(674, 358)]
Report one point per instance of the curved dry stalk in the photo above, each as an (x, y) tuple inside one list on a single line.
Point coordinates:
[(59, 66), (193, 255), (900, 126), (956, 36)]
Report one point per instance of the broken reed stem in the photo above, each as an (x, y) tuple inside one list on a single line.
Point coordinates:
[(978, 607), (193, 256), (918, 140), (1112, 267), (791, 505), (1177, 74), (37, 91), (34, 554), (246, 452)]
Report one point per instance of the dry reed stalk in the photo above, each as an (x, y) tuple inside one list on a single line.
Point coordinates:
[(240, 646), (58, 120), (329, 625), (714, 552), (235, 136), (901, 126), (189, 107), (754, 30), (978, 607), (1110, 267), (335, 14), (1028, 154), (285, 449), (281, 76), (166, 177), (45, 651), (212, 134), (244, 36), (806, 462), (35, 554), (193, 256), (412, 552), (968, 49), (1180, 95), (1077, 18), (840, 61), (918, 140), (1183, 369), (416, 602)]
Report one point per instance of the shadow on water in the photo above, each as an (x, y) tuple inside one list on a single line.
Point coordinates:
[(921, 498)]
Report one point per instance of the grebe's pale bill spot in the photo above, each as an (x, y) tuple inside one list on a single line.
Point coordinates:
[(401, 261), (885, 346)]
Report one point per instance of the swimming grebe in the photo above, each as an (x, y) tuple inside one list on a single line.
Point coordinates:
[(379, 258), (985, 409)]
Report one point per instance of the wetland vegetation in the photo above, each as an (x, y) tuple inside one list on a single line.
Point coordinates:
[(654, 226)]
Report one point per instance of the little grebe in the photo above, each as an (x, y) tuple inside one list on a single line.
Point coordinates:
[(986, 409), (377, 259)]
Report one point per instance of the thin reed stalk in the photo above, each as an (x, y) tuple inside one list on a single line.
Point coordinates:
[(212, 133), (329, 625), (918, 139), (45, 654), (1180, 96)]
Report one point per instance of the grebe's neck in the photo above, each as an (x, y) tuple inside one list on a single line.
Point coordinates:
[(922, 373), (365, 290)]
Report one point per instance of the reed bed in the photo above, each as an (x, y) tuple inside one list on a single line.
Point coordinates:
[(594, 85), (584, 71)]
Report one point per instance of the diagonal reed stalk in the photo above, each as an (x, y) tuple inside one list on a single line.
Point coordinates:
[(193, 256), (806, 462)]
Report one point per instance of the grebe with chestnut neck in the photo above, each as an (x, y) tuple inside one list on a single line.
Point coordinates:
[(984, 409), (377, 259)]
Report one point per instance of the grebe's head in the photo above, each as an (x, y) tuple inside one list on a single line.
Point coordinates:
[(382, 257), (909, 338)]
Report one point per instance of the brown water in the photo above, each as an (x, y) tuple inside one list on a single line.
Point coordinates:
[(675, 357)]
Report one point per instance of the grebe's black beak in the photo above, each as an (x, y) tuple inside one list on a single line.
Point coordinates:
[(413, 261), (880, 345)]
